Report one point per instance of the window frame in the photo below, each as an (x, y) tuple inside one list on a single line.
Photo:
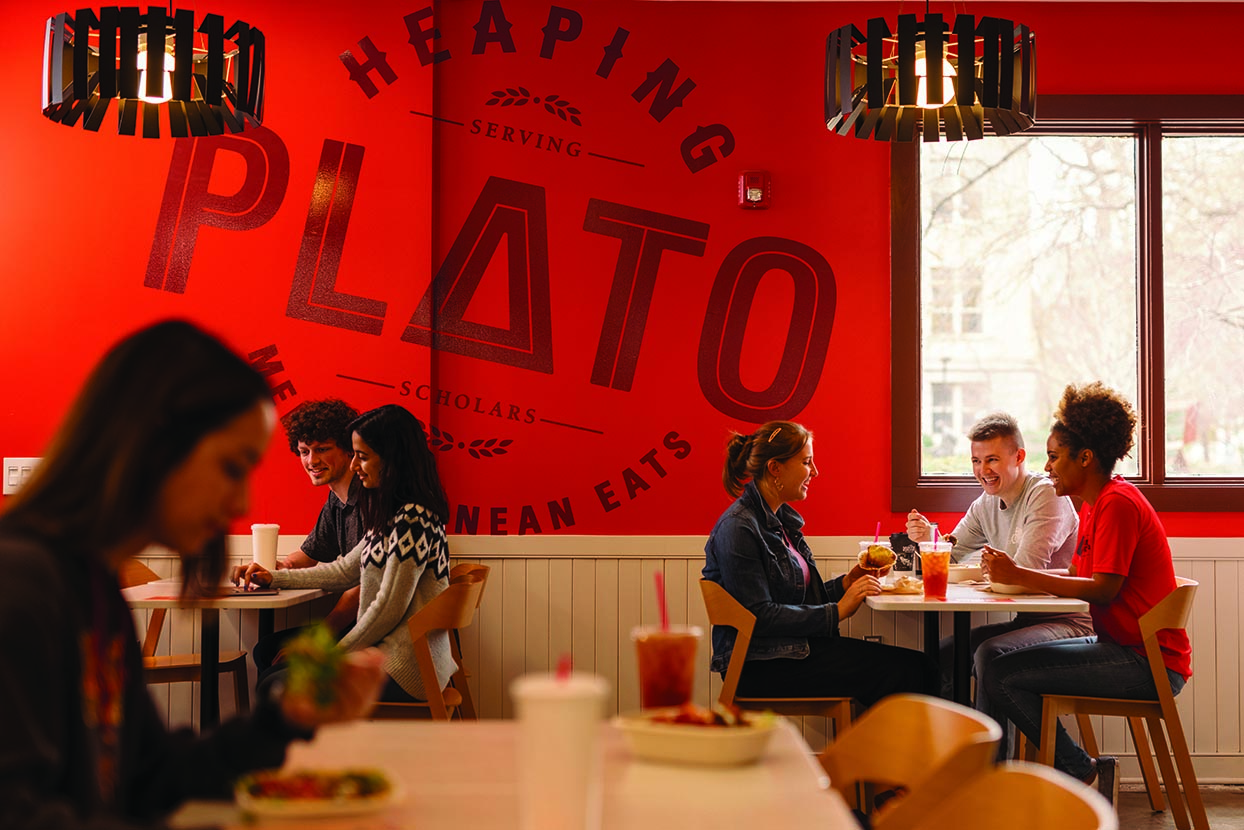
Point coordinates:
[(1148, 117)]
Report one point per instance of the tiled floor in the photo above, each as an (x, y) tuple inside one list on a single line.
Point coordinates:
[(1225, 806)]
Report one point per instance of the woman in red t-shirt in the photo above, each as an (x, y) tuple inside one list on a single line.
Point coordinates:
[(1122, 567)]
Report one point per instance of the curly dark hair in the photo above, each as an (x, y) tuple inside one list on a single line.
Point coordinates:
[(316, 421), (1095, 417)]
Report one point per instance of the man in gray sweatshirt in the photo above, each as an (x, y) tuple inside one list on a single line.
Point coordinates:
[(1018, 512)]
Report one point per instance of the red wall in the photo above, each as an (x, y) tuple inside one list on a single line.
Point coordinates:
[(628, 435)]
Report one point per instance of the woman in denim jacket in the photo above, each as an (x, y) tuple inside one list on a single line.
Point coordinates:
[(758, 554)]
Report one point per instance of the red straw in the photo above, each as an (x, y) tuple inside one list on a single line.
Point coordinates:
[(659, 579), (565, 664), (877, 534), (935, 537)]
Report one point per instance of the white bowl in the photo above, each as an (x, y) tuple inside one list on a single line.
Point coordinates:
[(965, 573), (679, 743)]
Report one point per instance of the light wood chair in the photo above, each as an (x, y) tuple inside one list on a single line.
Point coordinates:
[(1018, 796), (922, 745), (180, 668), (724, 609), (1171, 613), (452, 608), (462, 677)]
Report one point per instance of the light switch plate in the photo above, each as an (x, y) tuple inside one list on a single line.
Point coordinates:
[(16, 471)]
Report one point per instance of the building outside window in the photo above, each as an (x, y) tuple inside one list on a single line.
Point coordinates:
[(1087, 250)]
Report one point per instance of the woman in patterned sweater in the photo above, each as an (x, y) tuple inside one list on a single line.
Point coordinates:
[(401, 562)]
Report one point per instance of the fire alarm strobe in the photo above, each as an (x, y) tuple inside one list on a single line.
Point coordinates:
[(754, 190)]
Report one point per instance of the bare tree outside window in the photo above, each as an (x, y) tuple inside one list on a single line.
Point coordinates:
[(1107, 243), (1028, 280), (1203, 234)]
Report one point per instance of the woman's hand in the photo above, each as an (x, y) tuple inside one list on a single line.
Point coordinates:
[(1000, 567), (919, 529), (251, 574), (356, 690), (865, 585)]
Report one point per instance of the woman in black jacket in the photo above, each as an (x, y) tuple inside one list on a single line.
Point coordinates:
[(157, 449), (758, 554)]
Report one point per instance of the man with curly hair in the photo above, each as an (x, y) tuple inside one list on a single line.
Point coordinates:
[(1122, 567), (319, 434)]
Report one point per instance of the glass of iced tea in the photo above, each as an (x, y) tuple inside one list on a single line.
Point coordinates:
[(935, 564), (667, 663)]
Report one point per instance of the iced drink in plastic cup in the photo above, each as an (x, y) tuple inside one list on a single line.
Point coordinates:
[(667, 664), (560, 782), (935, 563), (263, 545)]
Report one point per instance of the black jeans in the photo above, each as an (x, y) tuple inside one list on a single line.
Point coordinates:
[(843, 667)]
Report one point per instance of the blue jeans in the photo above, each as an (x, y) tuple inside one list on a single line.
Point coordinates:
[(1014, 683), (988, 642)]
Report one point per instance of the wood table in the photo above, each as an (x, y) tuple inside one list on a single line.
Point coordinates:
[(165, 594), (464, 775), (963, 600)]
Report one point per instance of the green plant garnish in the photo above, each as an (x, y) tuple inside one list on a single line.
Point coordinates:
[(315, 661)]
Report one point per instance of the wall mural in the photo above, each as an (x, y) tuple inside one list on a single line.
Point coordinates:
[(491, 297), (521, 220)]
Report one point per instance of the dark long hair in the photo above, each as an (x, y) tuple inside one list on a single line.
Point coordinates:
[(141, 412), (408, 472)]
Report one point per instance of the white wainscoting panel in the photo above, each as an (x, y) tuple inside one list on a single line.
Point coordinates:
[(576, 595)]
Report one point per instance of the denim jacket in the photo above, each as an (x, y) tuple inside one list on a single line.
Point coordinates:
[(747, 556)]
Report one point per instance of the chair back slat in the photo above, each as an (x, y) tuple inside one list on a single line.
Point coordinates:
[(133, 572), (723, 609), (1172, 611), (452, 608), (1019, 796)]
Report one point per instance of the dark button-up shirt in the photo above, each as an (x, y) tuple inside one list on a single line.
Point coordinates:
[(338, 528)]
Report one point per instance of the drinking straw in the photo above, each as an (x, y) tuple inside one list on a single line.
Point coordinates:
[(935, 537), (565, 664), (877, 533), (659, 579)]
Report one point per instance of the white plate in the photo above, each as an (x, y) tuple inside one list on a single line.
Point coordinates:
[(317, 807), (678, 743)]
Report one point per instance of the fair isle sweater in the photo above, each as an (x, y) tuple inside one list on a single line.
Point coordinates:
[(399, 570)]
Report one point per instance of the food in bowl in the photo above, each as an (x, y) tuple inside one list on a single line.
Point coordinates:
[(965, 572), (876, 558), (308, 793), (656, 736), (693, 715)]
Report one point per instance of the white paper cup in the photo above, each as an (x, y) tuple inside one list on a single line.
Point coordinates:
[(559, 750), (263, 545)]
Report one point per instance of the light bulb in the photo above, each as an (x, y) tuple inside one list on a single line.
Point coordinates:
[(948, 84), (143, 61)]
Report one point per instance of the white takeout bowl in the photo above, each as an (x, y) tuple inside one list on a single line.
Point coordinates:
[(965, 573), (680, 743)]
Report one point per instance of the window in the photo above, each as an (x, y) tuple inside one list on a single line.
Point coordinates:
[(1107, 244)]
